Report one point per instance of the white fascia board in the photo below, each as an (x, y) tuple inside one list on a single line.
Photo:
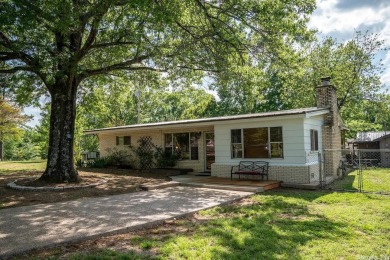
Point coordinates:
[(260, 120), (198, 126), (316, 113)]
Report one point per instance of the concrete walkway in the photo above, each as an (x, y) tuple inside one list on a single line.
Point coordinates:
[(45, 225)]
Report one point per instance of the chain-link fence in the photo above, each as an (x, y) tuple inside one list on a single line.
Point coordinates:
[(363, 170)]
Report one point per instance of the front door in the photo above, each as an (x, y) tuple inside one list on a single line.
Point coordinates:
[(210, 150)]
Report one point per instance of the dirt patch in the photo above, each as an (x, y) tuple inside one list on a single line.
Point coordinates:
[(117, 181)]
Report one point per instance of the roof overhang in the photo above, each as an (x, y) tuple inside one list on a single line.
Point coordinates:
[(207, 122)]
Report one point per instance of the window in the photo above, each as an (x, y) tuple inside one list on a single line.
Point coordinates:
[(313, 140), (183, 145), (262, 142), (123, 140), (236, 143), (276, 142), (256, 142)]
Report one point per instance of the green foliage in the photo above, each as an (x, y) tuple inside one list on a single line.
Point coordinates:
[(11, 119), (101, 162), (165, 158), (115, 157), (159, 101), (23, 147), (119, 157)]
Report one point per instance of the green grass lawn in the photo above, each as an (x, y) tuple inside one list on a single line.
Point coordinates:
[(283, 224), (7, 167), (374, 180)]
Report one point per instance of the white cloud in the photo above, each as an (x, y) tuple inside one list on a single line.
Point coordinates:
[(328, 18), (341, 18)]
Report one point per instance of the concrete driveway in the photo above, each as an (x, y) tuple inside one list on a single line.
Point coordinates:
[(46, 225)]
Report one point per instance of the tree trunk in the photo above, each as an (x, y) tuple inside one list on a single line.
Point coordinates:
[(60, 161)]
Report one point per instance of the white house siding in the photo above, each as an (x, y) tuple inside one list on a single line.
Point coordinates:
[(313, 123), (293, 168), (107, 142)]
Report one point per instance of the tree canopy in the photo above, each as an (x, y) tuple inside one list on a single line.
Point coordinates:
[(53, 46), (11, 118)]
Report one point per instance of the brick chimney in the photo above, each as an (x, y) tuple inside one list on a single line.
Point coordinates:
[(327, 98), (331, 134)]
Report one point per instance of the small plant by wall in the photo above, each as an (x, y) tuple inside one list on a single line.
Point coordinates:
[(101, 162), (115, 157), (165, 159), (119, 157)]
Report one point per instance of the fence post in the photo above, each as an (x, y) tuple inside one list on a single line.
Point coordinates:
[(320, 170), (360, 175)]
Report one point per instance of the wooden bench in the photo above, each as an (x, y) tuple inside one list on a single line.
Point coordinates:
[(250, 168)]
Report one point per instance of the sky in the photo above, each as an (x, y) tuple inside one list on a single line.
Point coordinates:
[(339, 19)]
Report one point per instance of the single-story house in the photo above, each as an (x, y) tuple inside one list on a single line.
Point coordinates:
[(290, 140)]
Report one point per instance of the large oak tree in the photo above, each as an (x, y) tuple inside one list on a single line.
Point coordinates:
[(55, 45)]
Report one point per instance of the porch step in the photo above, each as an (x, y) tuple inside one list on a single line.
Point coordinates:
[(225, 183), (272, 186), (172, 171), (224, 187)]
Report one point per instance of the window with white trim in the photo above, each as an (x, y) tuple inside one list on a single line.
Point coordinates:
[(261, 142), (236, 139), (313, 140), (183, 145)]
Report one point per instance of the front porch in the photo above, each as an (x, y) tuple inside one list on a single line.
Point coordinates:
[(211, 182)]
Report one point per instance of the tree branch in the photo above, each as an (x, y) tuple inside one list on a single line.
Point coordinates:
[(126, 65), (198, 69), (16, 69), (6, 56), (97, 14), (110, 44)]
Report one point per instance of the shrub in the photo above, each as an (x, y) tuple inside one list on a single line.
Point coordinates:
[(118, 157), (165, 158), (101, 162)]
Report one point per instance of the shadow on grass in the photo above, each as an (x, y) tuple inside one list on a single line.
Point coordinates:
[(272, 228), (347, 183)]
